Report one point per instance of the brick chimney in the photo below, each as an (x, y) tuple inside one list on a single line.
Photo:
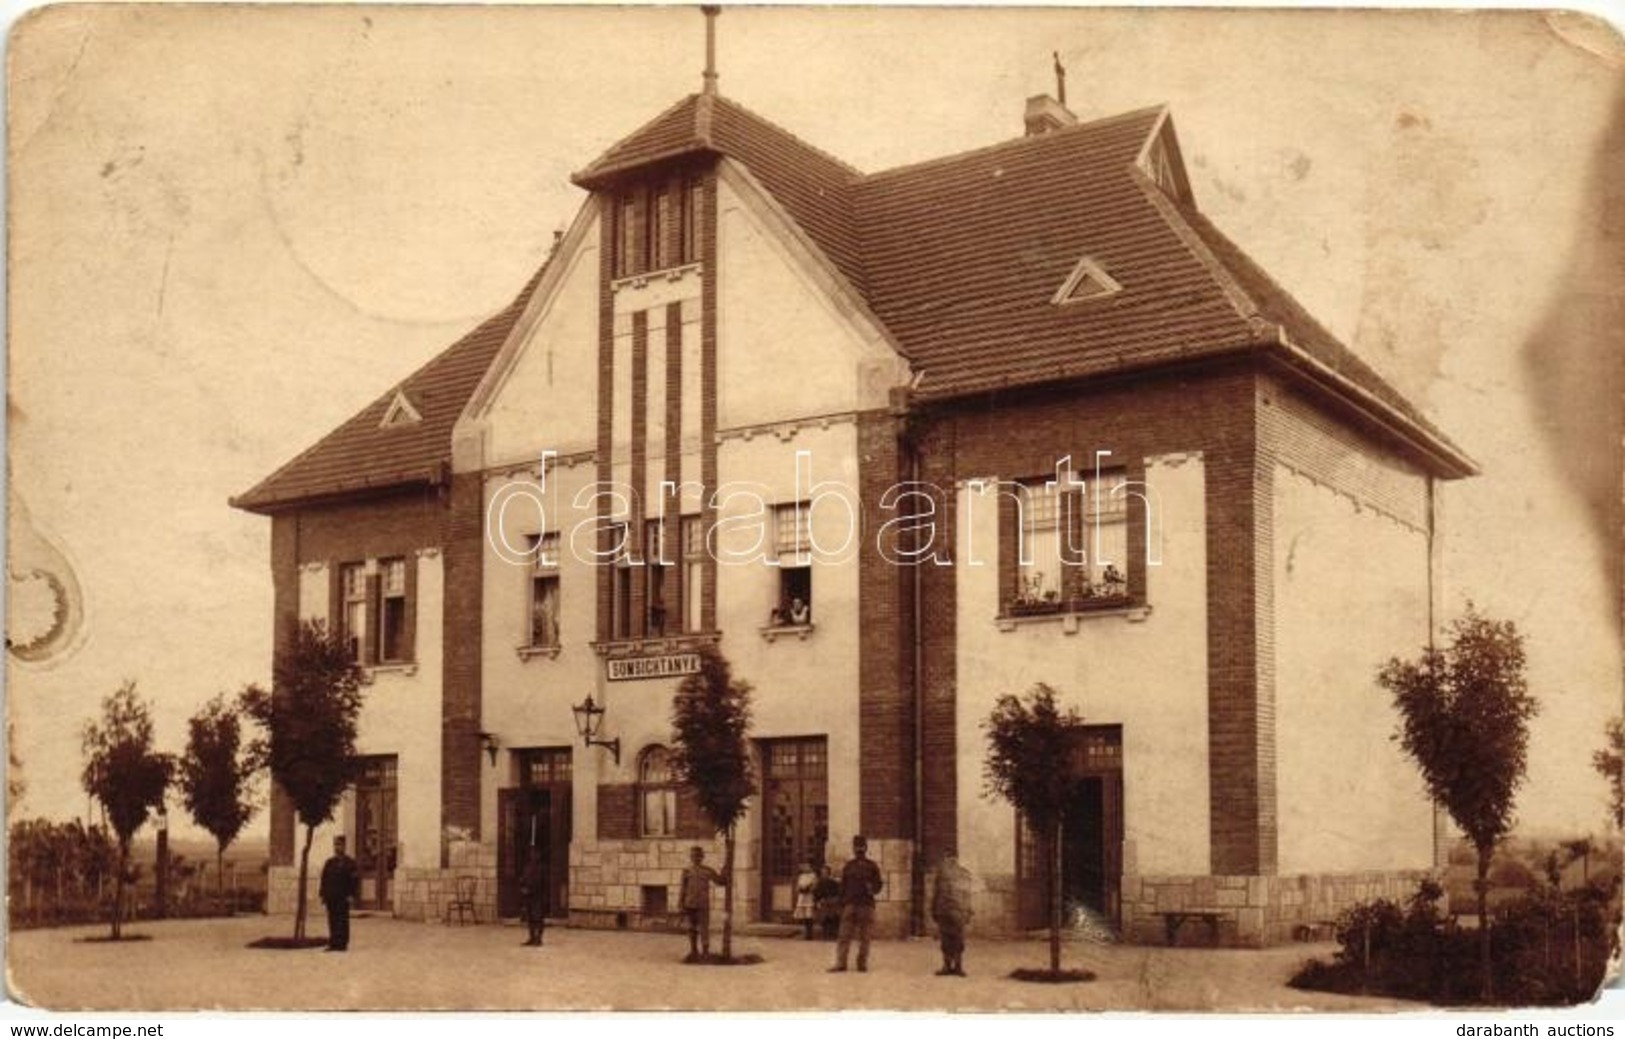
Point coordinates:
[(1045, 114)]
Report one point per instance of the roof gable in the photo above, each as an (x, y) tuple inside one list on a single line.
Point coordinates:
[(957, 259), (367, 454)]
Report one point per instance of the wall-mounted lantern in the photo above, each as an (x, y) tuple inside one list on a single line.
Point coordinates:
[(490, 744), (589, 723)]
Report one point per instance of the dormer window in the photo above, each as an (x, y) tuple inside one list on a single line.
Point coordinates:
[(400, 412), (657, 226), (1088, 280)]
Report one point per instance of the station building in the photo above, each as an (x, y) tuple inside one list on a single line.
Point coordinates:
[(896, 443)]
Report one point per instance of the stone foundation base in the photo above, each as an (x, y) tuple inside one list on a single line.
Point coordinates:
[(1252, 911), (415, 893), (425, 893), (614, 884)]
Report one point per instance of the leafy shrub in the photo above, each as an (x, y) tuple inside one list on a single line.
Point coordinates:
[(1416, 952)]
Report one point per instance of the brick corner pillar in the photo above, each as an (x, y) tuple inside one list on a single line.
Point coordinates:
[(1241, 645), (285, 623), (885, 661), (461, 692)]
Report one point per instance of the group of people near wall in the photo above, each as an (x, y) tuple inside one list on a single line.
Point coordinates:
[(843, 909)]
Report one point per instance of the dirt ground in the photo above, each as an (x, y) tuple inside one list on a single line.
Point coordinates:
[(394, 964)]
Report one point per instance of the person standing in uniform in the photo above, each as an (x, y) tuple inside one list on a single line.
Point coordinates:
[(340, 883), (696, 902), (860, 883), (951, 909), (533, 890)]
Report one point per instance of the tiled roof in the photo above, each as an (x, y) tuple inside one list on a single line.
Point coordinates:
[(964, 256), (959, 257), (362, 455)]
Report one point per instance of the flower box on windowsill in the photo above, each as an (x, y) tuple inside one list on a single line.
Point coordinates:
[(526, 652), (406, 668), (784, 631)]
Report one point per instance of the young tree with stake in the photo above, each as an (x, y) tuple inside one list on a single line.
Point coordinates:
[(308, 724), (711, 754), (217, 780), (124, 773), (1029, 741), (1464, 718)]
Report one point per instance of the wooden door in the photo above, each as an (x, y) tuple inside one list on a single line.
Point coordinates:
[(538, 811), (795, 817), (376, 829)]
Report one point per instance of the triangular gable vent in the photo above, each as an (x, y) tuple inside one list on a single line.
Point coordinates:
[(1088, 280), (400, 412)]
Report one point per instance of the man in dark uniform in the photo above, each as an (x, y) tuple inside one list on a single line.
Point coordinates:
[(533, 889), (860, 883), (340, 883)]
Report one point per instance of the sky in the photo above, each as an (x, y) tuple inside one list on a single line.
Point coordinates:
[(231, 228)]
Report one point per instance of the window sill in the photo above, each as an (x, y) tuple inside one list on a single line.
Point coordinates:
[(405, 668), (1070, 618), (638, 281), (686, 642), (526, 652), (783, 631)]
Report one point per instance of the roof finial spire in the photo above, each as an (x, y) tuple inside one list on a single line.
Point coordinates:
[(710, 11), (1060, 78)]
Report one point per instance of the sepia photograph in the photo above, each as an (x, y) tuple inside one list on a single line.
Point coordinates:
[(728, 508)]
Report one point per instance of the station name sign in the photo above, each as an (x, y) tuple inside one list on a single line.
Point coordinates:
[(632, 668)]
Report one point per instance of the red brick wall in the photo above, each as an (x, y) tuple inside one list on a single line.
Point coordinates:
[(617, 811), (1302, 435), (1023, 435), (463, 625), (285, 606), (885, 701)]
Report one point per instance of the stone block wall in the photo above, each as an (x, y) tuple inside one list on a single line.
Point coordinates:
[(424, 894), (895, 858), (1254, 911), (607, 878), (282, 889)]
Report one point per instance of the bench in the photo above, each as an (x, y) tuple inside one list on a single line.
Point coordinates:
[(1171, 920)]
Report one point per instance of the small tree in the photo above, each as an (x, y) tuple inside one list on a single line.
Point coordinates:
[(1610, 762), (217, 779), (710, 717), (1464, 718), (124, 773), (307, 725), (1029, 741)]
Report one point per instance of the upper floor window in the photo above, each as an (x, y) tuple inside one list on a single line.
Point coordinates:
[(374, 611), (620, 585), (626, 252), (654, 558), (657, 226), (657, 794), (544, 591), (792, 541), (693, 583), (353, 609), (1071, 549), (693, 189), (392, 640)]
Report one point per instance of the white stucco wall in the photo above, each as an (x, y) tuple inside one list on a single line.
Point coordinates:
[(1149, 676), (786, 346), (1350, 592), (400, 715), (552, 384)]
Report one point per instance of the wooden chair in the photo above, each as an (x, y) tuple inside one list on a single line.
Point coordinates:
[(462, 902)]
